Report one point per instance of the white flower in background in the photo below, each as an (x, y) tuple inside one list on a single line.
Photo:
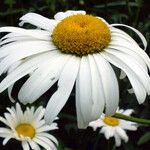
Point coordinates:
[(28, 127), (73, 49), (114, 127)]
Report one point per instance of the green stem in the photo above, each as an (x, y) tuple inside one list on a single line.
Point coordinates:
[(133, 119)]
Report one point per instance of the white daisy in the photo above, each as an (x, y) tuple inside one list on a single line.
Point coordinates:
[(73, 47), (28, 127), (114, 127)]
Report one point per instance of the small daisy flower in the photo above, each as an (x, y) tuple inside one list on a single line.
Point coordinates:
[(28, 127), (74, 49), (114, 127)]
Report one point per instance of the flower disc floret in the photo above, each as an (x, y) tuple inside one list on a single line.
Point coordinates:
[(25, 130), (111, 121), (81, 35)]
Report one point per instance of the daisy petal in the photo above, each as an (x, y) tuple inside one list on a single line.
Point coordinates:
[(25, 145), (31, 90), (97, 92), (42, 143), (134, 65), (6, 140), (136, 31), (61, 15), (80, 119), (16, 55), (117, 140), (85, 94), (25, 68), (109, 83), (137, 86), (51, 137), (39, 21), (136, 56), (9, 93), (122, 134), (65, 86), (47, 141), (5, 130), (37, 34)]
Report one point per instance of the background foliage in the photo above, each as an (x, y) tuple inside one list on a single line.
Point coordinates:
[(131, 12)]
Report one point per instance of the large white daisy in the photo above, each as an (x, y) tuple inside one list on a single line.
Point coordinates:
[(73, 49), (113, 127), (28, 127)]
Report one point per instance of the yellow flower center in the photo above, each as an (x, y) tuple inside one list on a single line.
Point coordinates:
[(81, 35), (111, 121), (25, 130)]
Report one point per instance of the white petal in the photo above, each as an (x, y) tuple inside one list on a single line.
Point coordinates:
[(136, 31), (117, 140), (47, 141), (13, 114), (6, 140), (14, 66), (107, 131), (9, 93), (118, 34), (25, 145), (85, 94), (122, 134), (126, 46), (61, 15), (10, 35), (33, 145), (65, 86), (19, 38), (18, 51), (42, 143), (5, 130), (39, 21), (45, 76), (19, 112), (80, 119), (127, 125), (10, 120), (25, 68), (137, 86), (128, 112), (96, 124), (51, 137), (136, 67), (38, 114), (122, 75), (110, 84), (97, 90), (129, 52), (44, 128), (37, 34)]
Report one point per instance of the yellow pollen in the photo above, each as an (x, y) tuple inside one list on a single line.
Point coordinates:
[(81, 35), (111, 121), (25, 130)]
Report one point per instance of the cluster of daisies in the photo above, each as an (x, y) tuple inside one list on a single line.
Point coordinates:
[(73, 50)]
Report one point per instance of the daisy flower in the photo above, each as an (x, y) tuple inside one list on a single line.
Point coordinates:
[(77, 49), (28, 127), (114, 127)]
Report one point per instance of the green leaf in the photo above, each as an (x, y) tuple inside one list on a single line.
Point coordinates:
[(145, 138)]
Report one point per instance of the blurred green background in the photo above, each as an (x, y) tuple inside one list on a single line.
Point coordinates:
[(131, 12)]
